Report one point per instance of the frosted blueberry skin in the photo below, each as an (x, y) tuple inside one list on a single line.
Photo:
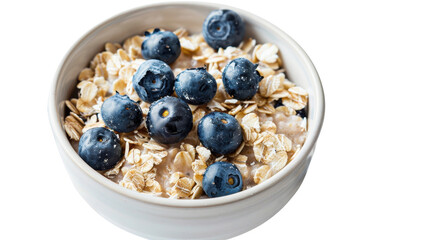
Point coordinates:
[(195, 86), (121, 114), (169, 120), (241, 79), (161, 45), (223, 28), (302, 112), (153, 80), (100, 148), (220, 133), (221, 179)]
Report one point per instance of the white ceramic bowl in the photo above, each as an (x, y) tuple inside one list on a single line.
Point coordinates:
[(161, 218)]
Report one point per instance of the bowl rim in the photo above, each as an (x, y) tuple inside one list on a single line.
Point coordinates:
[(64, 144)]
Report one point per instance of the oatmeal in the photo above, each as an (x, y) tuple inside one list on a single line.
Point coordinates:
[(272, 136)]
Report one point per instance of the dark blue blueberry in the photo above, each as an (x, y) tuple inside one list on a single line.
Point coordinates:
[(169, 120), (223, 28), (161, 45), (220, 133), (302, 112), (195, 86), (241, 79), (221, 179), (153, 80), (100, 148), (121, 114), (278, 103)]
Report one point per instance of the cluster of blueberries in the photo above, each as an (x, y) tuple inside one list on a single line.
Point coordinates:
[(170, 119)]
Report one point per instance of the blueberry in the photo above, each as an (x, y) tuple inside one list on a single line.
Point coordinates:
[(169, 120), (195, 86), (100, 148), (220, 133), (302, 113), (221, 179), (153, 80), (241, 79), (278, 103), (223, 28), (121, 114), (161, 45)]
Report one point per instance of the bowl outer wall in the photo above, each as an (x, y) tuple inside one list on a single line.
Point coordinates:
[(168, 222), (168, 218)]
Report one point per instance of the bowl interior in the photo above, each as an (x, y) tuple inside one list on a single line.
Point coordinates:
[(298, 67)]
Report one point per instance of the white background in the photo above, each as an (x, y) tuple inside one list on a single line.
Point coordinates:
[(370, 173)]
